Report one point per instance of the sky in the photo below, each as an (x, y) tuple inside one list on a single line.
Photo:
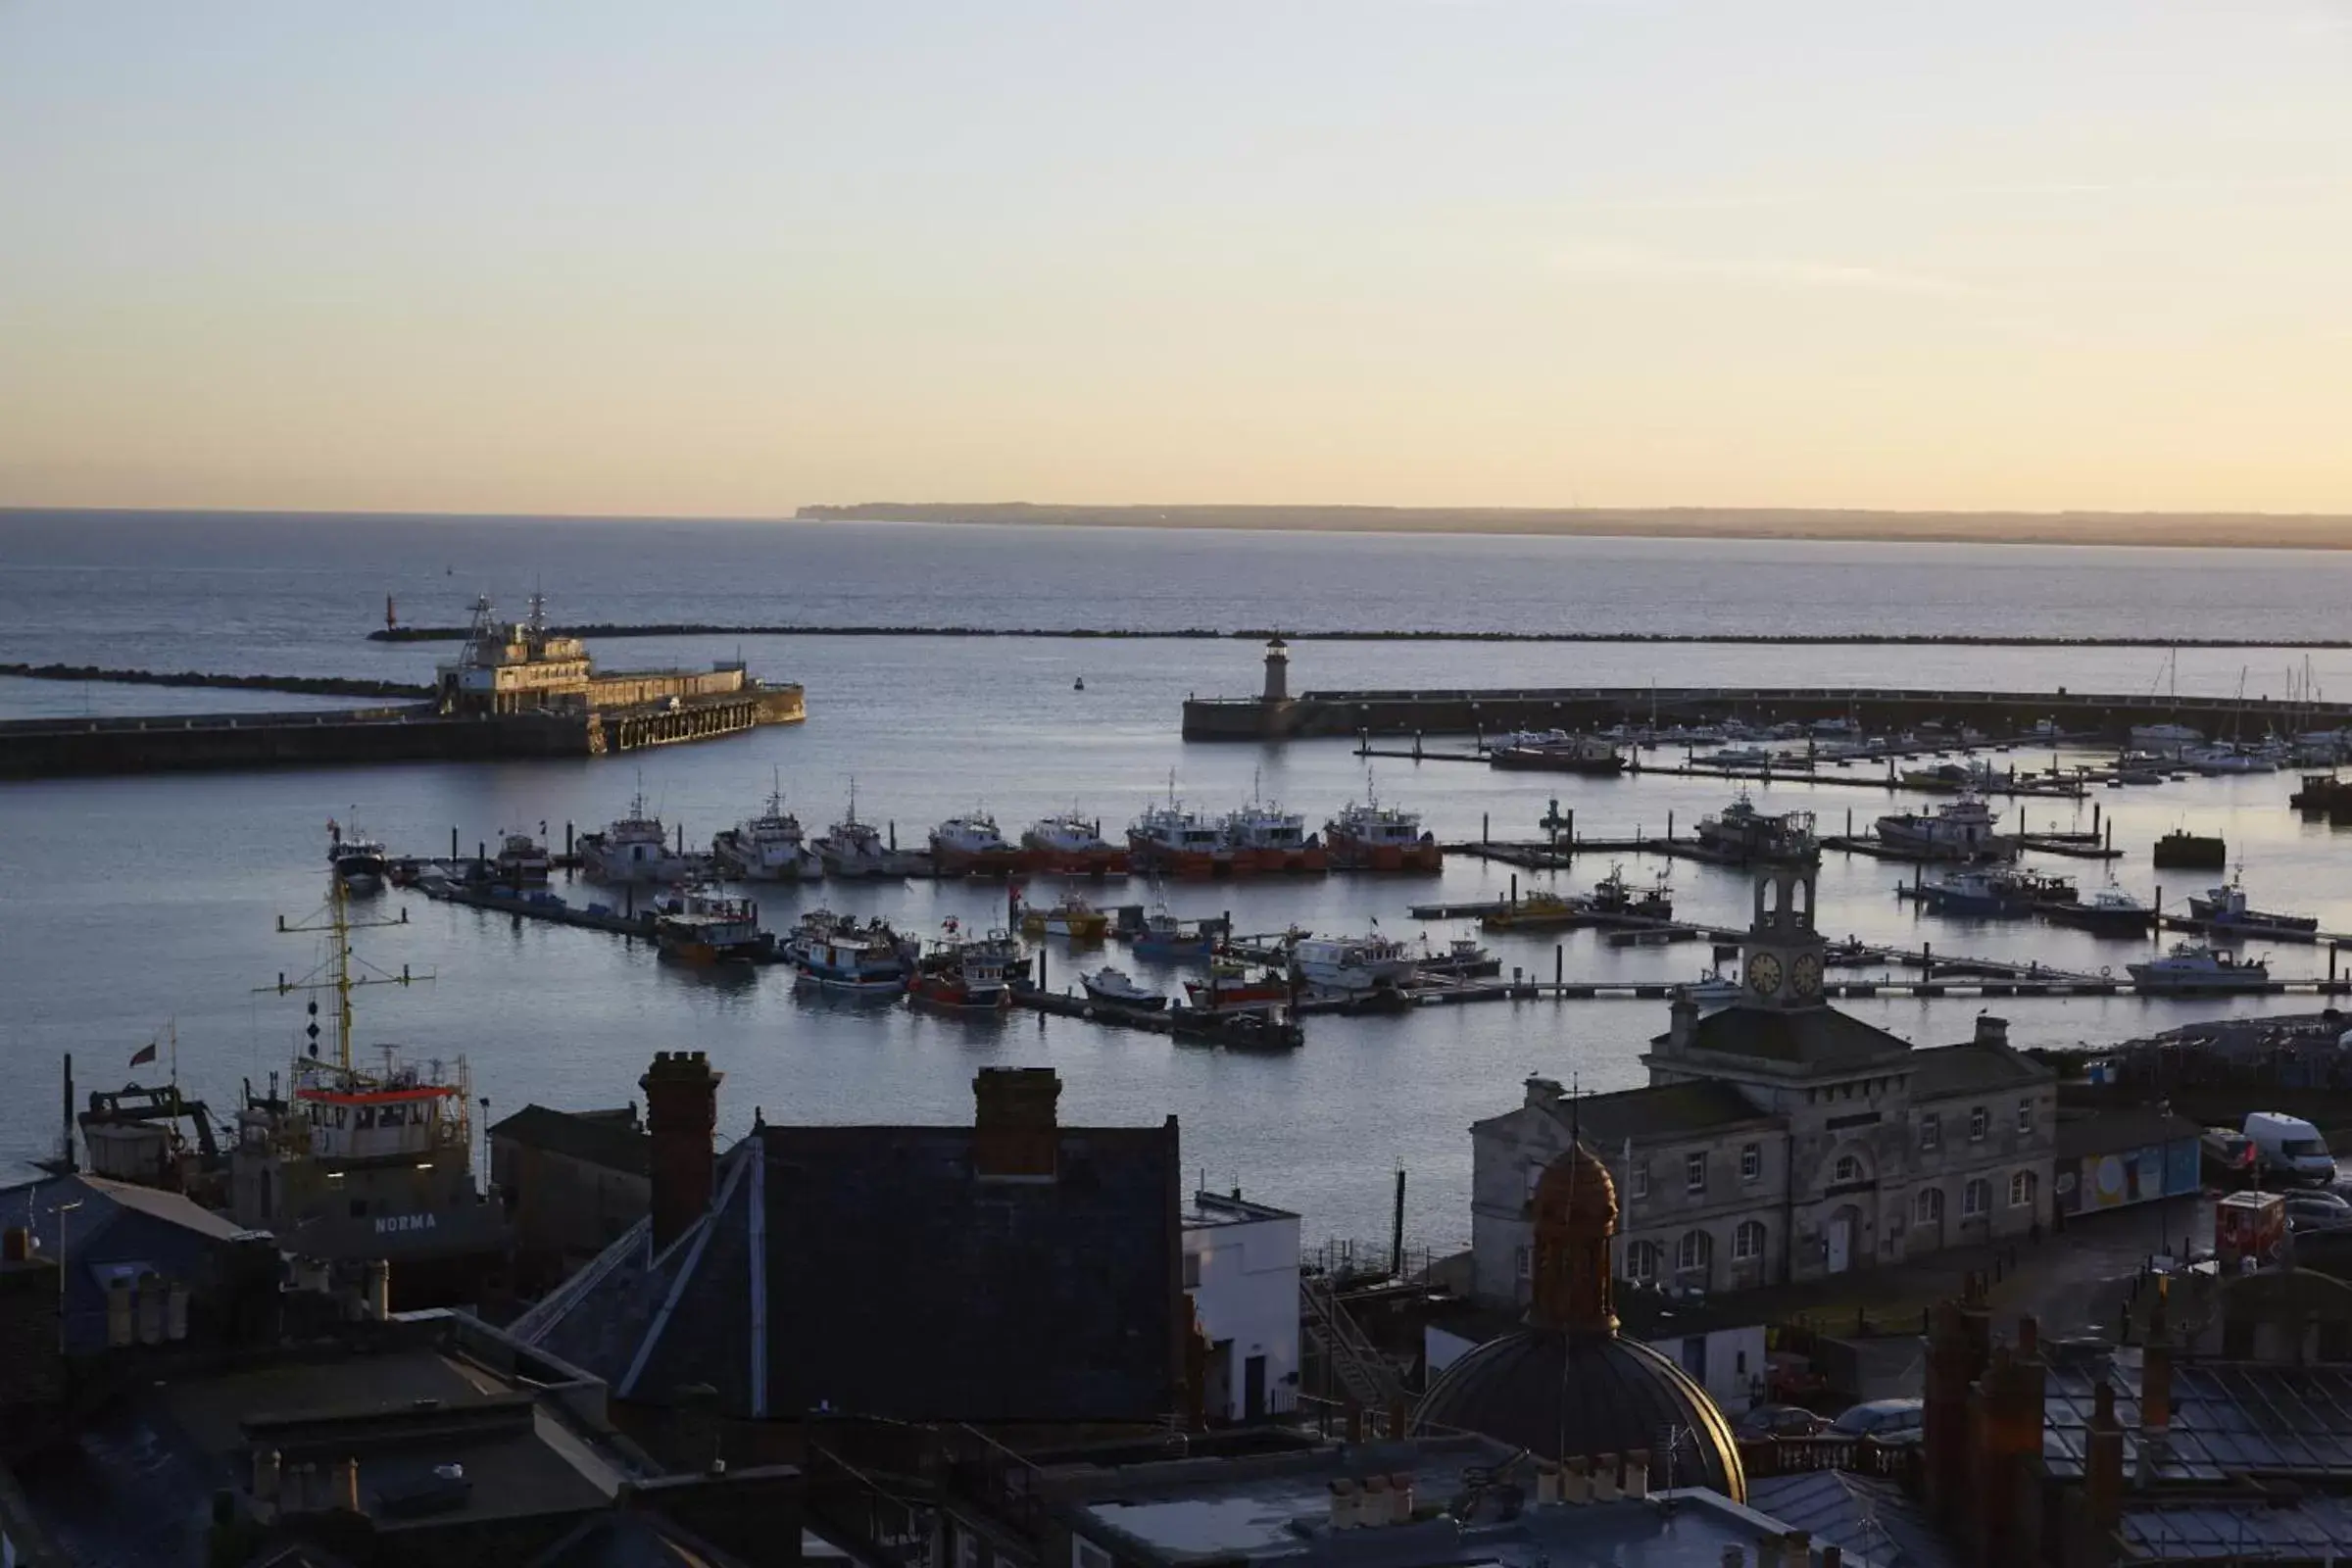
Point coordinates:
[(733, 257)]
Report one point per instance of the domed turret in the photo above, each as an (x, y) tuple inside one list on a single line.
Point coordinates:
[(1565, 1386)]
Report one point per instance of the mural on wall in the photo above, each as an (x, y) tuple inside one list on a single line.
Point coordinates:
[(2128, 1176)]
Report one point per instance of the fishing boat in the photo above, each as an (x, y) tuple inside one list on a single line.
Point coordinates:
[(1534, 912), (1739, 756), (355, 1164), (1713, 989), (1957, 830), (838, 954), (1371, 962), (2220, 761), (357, 860), (1068, 916), (635, 849), (1374, 837), (1743, 834), (1613, 899), (1951, 778), (972, 846), (1168, 838), (2226, 906), (854, 849), (1979, 893), (1072, 846), (1263, 837), (1553, 752), (2193, 967), (2109, 912), (1231, 988), (520, 859), (767, 848), (708, 926), (1113, 988), (2194, 851), (967, 976), (1463, 958), (1162, 936)]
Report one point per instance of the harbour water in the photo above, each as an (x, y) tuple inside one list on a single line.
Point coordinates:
[(124, 902)]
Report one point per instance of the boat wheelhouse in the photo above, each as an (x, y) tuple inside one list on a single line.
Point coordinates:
[(709, 926), (1375, 837), (1071, 844), (634, 849), (767, 848)]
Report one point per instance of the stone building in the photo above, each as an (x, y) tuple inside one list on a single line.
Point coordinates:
[(1780, 1139)]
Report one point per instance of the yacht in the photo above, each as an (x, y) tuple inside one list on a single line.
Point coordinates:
[(2109, 912), (768, 848), (971, 845), (1957, 830), (1371, 962), (2194, 967), (708, 926), (2217, 760), (1071, 844), (634, 848), (1113, 988), (357, 860)]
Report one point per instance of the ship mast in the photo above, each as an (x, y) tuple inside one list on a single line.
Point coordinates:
[(334, 974)]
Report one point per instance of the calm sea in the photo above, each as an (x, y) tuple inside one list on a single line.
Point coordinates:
[(126, 903)]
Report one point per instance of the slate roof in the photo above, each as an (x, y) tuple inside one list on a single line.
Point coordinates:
[(1664, 1110), (599, 1140), (1802, 1037), (1863, 1516), (2264, 1418), (1965, 1068), (112, 1225), (892, 1281)]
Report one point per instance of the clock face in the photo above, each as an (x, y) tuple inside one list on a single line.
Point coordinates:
[(1764, 974), (1805, 974)]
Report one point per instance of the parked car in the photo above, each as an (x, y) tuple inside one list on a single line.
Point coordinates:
[(2229, 1158), (1882, 1421), (2310, 1212), (2290, 1148), (1778, 1421)]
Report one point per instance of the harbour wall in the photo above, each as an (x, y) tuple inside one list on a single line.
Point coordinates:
[(2004, 714), (54, 746)]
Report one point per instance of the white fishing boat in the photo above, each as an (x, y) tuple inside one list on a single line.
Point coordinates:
[(1713, 989), (972, 843), (854, 849), (1072, 845), (1109, 987), (520, 857), (1352, 964), (357, 860), (767, 848), (2194, 967), (634, 848), (1962, 829)]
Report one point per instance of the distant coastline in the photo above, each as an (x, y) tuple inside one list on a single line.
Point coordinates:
[(2175, 530)]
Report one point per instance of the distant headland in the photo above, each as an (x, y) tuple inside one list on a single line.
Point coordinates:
[(2251, 530)]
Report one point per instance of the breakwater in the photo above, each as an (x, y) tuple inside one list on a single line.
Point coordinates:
[(301, 685), (1485, 712), (692, 629)]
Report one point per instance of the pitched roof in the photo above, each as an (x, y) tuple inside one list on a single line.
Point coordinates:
[(1976, 1065), (893, 1281), (601, 1139), (102, 1200), (1663, 1110), (2261, 1418), (2126, 1127), (1866, 1518), (1801, 1036)]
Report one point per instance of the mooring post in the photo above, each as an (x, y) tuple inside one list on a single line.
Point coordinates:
[(567, 841), (1670, 827), (1514, 889), (1486, 827), (1559, 972), (1927, 961), (453, 841)]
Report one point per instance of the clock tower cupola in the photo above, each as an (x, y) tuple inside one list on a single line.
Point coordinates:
[(1782, 957)]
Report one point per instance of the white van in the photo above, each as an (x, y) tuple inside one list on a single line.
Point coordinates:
[(2290, 1148)]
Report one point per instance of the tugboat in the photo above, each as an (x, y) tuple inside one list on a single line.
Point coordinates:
[(1362, 964), (1069, 916), (1073, 846), (837, 954), (520, 859), (2109, 912), (358, 862), (1168, 838), (358, 1166), (708, 926), (1381, 837), (1958, 830), (2225, 907), (2195, 852), (1613, 899), (965, 976), (2191, 967), (1746, 836), (1115, 989), (768, 848), (1263, 837), (634, 848), (971, 846)]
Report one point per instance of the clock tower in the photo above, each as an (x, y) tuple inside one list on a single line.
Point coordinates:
[(1782, 957)]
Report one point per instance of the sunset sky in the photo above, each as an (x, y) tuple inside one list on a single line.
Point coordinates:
[(729, 258)]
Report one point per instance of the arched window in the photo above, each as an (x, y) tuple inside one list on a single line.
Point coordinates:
[(1694, 1253), (2021, 1187), (1929, 1206), (1747, 1241), (1641, 1260), (1847, 1169)]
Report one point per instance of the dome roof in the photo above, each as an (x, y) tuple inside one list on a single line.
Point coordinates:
[(1563, 1395)]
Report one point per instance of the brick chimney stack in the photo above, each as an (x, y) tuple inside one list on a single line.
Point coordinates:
[(1015, 1135), (2103, 1465), (1959, 1339), (681, 1112), (1991, 1030)]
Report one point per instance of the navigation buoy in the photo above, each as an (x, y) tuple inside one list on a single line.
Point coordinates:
[(1079, 685)]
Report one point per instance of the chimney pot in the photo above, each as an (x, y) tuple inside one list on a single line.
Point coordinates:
[(1576, 1482), (1343, 1504), (1401, 1496), (347, 1486), (1636, 1473), (1604, 1478)]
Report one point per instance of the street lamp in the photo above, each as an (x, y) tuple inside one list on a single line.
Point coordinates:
[(62, 1210)]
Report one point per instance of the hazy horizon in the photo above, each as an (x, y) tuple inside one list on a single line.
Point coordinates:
[(733, 260)]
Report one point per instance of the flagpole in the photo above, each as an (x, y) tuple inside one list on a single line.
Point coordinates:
[(172, 1026)]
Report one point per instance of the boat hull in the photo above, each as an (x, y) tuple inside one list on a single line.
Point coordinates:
[(1126, 1004), (1359, 855), (1528, 760)]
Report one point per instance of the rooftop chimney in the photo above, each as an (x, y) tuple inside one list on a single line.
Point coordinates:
[(2103, 1462), (1014, 1136), (1682, 1021), (1991, 1030), (681, 1112), (1543, 1092)]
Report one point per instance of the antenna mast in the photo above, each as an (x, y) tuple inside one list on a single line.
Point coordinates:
[(335, 973)]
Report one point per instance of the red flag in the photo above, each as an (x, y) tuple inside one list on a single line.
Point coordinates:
[(144, 1054)]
